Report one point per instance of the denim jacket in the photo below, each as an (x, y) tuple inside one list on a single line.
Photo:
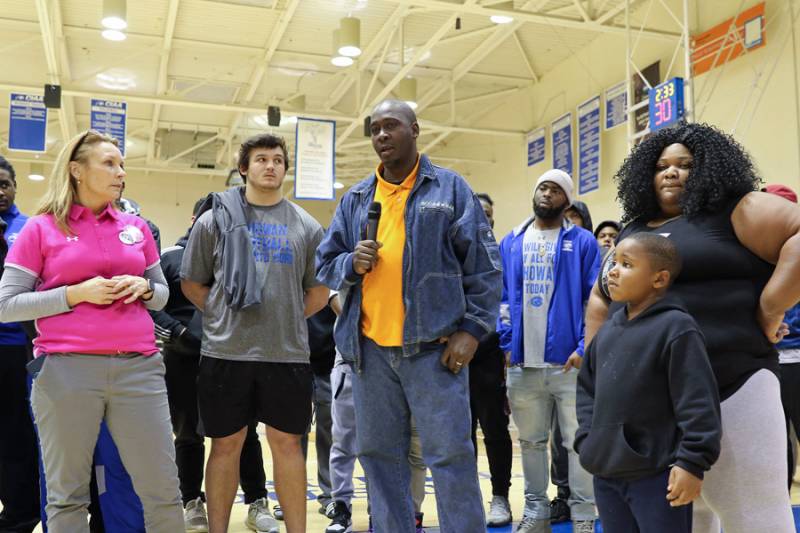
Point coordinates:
[(451, 262)]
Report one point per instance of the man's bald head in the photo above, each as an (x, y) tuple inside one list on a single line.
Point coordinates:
[(397, 107)]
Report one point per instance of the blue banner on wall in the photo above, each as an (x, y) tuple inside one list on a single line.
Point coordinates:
[(589, 145), (536, 146), (110, 117), (562, 143), (27, 128), (616, 105)]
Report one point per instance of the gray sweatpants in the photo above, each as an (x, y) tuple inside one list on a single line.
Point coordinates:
[(343, 448), (71, 396), (745, 490)]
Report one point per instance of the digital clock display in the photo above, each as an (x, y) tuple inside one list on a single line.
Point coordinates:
[(666, 104)]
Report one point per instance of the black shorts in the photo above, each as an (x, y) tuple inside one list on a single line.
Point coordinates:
[(231, 394)]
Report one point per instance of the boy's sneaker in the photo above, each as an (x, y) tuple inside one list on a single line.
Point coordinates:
[(531, 525), (583, 526), (260, 519), (341, 520), (418, 522), (499, 512), (195, 519), (559, 511), (276, 509)]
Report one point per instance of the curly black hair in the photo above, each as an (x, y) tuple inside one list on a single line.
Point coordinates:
[(722, 172)]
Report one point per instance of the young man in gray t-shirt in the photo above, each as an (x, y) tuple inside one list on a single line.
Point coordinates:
[(249, 266)]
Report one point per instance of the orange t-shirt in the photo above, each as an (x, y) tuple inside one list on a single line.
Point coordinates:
[(382, 309)]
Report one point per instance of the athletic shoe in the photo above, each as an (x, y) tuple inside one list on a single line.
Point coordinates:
[(499, 512), (329, 510), (341, 520), (418, 522), (559, 511), (260, 519), (583, 526), (195, 519), (531, 525), (278, 511)]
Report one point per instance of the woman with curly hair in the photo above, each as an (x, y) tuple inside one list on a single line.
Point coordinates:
[(741, 260)]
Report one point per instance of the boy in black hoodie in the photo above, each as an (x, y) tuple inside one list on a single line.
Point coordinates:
[(647, 402)]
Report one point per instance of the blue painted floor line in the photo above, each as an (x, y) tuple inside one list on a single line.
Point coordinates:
[(566, 527)]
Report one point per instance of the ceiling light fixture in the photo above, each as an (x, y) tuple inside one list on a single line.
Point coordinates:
[(407, 91), (339, 60), (115, 14), (350, 37), (113, 35), (501, 19), (36, 172)]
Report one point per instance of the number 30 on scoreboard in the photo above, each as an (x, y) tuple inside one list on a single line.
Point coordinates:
[(666, 104)]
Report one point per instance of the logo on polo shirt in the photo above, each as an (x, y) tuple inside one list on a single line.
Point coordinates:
[(72, 239)]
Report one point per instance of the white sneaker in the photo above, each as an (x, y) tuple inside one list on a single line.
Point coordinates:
[(195, 519), (499, 512), (583, 526), (530, 525), (260, 519)]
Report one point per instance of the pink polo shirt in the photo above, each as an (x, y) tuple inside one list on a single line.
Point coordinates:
[(105, 246)]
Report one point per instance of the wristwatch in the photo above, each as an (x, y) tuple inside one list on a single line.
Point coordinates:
[(149, 290)]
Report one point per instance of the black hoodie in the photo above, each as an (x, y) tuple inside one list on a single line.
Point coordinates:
[(647, 397), (179, 324)]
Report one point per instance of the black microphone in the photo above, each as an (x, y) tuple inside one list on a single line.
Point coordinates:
[(373, 217)]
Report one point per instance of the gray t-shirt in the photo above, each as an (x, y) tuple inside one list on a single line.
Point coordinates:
[(284, 238), (538, 253)]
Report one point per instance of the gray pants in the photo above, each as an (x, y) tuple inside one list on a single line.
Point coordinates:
[(745, 490), (71, 396), (322, 442), (343, 448)]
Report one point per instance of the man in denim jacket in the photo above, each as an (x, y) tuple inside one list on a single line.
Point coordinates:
[(418, 299)]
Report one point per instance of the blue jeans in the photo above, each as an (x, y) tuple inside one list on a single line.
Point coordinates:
[(390, 389), (640, 505), (532, 392)]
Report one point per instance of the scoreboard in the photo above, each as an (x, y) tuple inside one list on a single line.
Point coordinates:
[(666, 104)]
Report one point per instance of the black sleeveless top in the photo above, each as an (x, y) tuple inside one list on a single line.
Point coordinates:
[(720, 285)]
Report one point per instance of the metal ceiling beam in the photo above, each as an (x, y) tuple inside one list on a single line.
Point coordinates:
[(537, 18), (207, 106), (276, 35), (55, 55), (383, 36), (404, 70), (163, 66)]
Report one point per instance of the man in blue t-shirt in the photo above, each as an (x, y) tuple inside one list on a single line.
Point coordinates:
[(19, 479)]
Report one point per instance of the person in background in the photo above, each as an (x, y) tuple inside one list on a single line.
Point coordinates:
[(179, 326), (489, 407), (419, 298), (606, 234), (789, 358), (88, 274), (578, 214), (549, 267), (19, 457)]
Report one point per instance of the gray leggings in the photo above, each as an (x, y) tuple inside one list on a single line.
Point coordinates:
[(745, 491), (71, 395)]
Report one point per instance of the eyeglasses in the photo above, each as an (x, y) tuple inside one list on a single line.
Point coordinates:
[(78, 145)]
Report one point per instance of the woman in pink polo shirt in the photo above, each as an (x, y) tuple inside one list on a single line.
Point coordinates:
[(87, 274)]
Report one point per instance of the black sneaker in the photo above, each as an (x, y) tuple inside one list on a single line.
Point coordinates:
[(341, 522), (559, 511)]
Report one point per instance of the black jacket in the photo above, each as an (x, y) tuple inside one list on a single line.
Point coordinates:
[(647, 397), (179, 325)]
